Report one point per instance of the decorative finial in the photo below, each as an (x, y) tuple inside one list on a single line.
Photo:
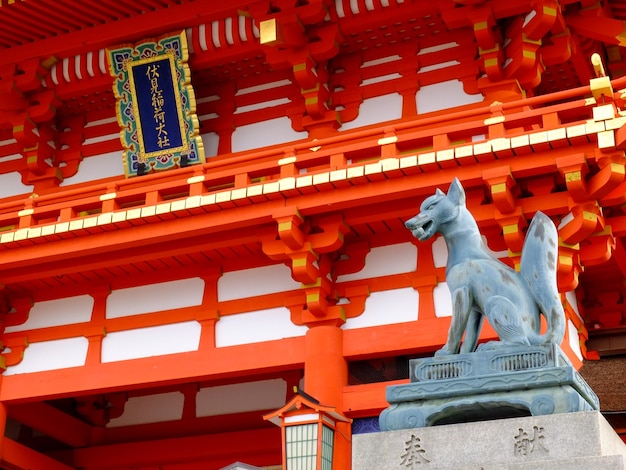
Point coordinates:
[(598, 67)]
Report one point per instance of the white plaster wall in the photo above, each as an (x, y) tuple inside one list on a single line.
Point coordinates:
[(381, 60), (51, 355), (97, 167), (10, 157), (374, 110), (570, 297), (155, 297), (437, 48), (255, 327), (11, 185), (210, 141), (240, 398), (440, 252), (256, 281), (263, 87), (386, 308), (150, 409), (381, 78), (442, 300), (444, 95), (439, 66), (573, 339), (151, 341), (58, 312), (386, 260), (264, 134)]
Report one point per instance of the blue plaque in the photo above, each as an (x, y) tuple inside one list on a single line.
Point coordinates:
[(157, 107)]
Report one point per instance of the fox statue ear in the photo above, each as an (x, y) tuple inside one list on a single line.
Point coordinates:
[(456, 192), (439, 192)]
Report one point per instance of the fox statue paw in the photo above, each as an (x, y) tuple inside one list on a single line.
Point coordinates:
[(443, 352)]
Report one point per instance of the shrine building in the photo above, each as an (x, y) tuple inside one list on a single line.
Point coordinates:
[(203, 255)]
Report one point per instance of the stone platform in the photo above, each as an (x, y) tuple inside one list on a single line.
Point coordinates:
[(566, 441), (492, 384)]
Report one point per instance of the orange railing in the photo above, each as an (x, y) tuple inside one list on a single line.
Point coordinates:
[(423, 144)]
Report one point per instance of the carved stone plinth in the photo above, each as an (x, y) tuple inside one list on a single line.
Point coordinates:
[(500, 383), (565, 441)]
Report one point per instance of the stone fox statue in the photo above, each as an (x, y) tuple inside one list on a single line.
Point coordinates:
[(482, 286)]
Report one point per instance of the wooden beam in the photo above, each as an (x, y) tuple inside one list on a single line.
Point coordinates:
[(368, 399), (15, 456), (601, 28), (619, 255), (234, 226), (248, 446), (187, 427), (235, 361), (108, 249), (125, 30), (52, 422)]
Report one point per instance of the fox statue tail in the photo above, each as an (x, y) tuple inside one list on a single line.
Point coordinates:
[(538, 270)]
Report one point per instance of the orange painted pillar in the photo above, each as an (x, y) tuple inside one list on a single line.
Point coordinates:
[(325, 374), (325, 369), (3, 425)]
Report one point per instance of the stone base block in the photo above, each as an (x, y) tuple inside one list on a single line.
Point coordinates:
[(567, 441), (499, 383)]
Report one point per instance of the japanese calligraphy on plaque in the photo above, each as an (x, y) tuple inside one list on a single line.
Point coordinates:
[(156, 106)]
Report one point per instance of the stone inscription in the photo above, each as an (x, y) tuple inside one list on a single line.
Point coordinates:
[(527, 443), (414, 454)]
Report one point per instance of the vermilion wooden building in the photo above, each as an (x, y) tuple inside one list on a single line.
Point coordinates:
[(151, 321)]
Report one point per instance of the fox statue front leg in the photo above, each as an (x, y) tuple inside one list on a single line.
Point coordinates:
[(472, 331), (461, 311)]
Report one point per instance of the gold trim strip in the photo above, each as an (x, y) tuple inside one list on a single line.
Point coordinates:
[(21, 234), (76, 224), (195, 179), (338, 175), (272, 187), (285, 184), (222, 197), (133, 213), (25, 212), (7, 237), (493, 120), (34, 232), (287, 160), (390, 164), (118, 217), (178, 205), (192, 202), (62, 227), (356, 171), (47, 230), (388, 140), (108, 196)]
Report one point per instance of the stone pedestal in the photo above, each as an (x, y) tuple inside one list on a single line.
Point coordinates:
[(493, 384), (565, 441)]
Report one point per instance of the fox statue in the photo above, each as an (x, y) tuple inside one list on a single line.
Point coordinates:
[(482, 286)]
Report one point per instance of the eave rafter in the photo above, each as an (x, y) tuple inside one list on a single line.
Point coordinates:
[(124, 28)]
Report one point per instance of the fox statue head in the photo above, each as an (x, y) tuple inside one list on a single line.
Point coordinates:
[(436, 211)]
